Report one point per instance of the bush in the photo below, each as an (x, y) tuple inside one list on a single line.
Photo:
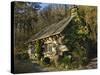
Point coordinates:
[(25, 56), (22, 56), (38, 50), (66, 59), (80, 56)]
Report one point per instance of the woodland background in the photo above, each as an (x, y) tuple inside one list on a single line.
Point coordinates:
[(30, 18)]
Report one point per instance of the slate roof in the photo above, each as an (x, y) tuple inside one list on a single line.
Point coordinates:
[(53, 29)]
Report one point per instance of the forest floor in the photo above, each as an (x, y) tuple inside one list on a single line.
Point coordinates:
[(32, 67), (92, 64), (27, 67)]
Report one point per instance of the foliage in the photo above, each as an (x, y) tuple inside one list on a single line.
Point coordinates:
[(81, 33), (29, 18), (22, 56), (90, 17), (25, 18), (38, 50), (66, 60)]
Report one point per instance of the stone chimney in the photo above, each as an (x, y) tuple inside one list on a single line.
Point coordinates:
[(74, 13), (74, 10)]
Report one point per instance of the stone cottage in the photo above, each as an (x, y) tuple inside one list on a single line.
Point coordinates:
[(53, 36)]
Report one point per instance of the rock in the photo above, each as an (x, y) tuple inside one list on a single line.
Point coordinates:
[(63, 48)]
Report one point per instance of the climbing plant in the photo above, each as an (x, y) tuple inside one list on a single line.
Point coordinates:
[(76, 35), (38, 50)]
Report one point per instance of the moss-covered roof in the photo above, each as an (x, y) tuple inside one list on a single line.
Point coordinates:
[(51, 30)]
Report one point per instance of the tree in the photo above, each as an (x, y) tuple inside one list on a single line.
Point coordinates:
[(25, 19), (89, 14)]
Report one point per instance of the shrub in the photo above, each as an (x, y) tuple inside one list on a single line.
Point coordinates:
[(80, 56), (22, 56), (66, 60), (38, 50), (25, 56)]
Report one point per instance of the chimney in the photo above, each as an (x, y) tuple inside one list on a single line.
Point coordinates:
[(74, 10)]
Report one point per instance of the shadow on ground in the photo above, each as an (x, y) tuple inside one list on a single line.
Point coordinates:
[(31, 67), (27, 67)]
